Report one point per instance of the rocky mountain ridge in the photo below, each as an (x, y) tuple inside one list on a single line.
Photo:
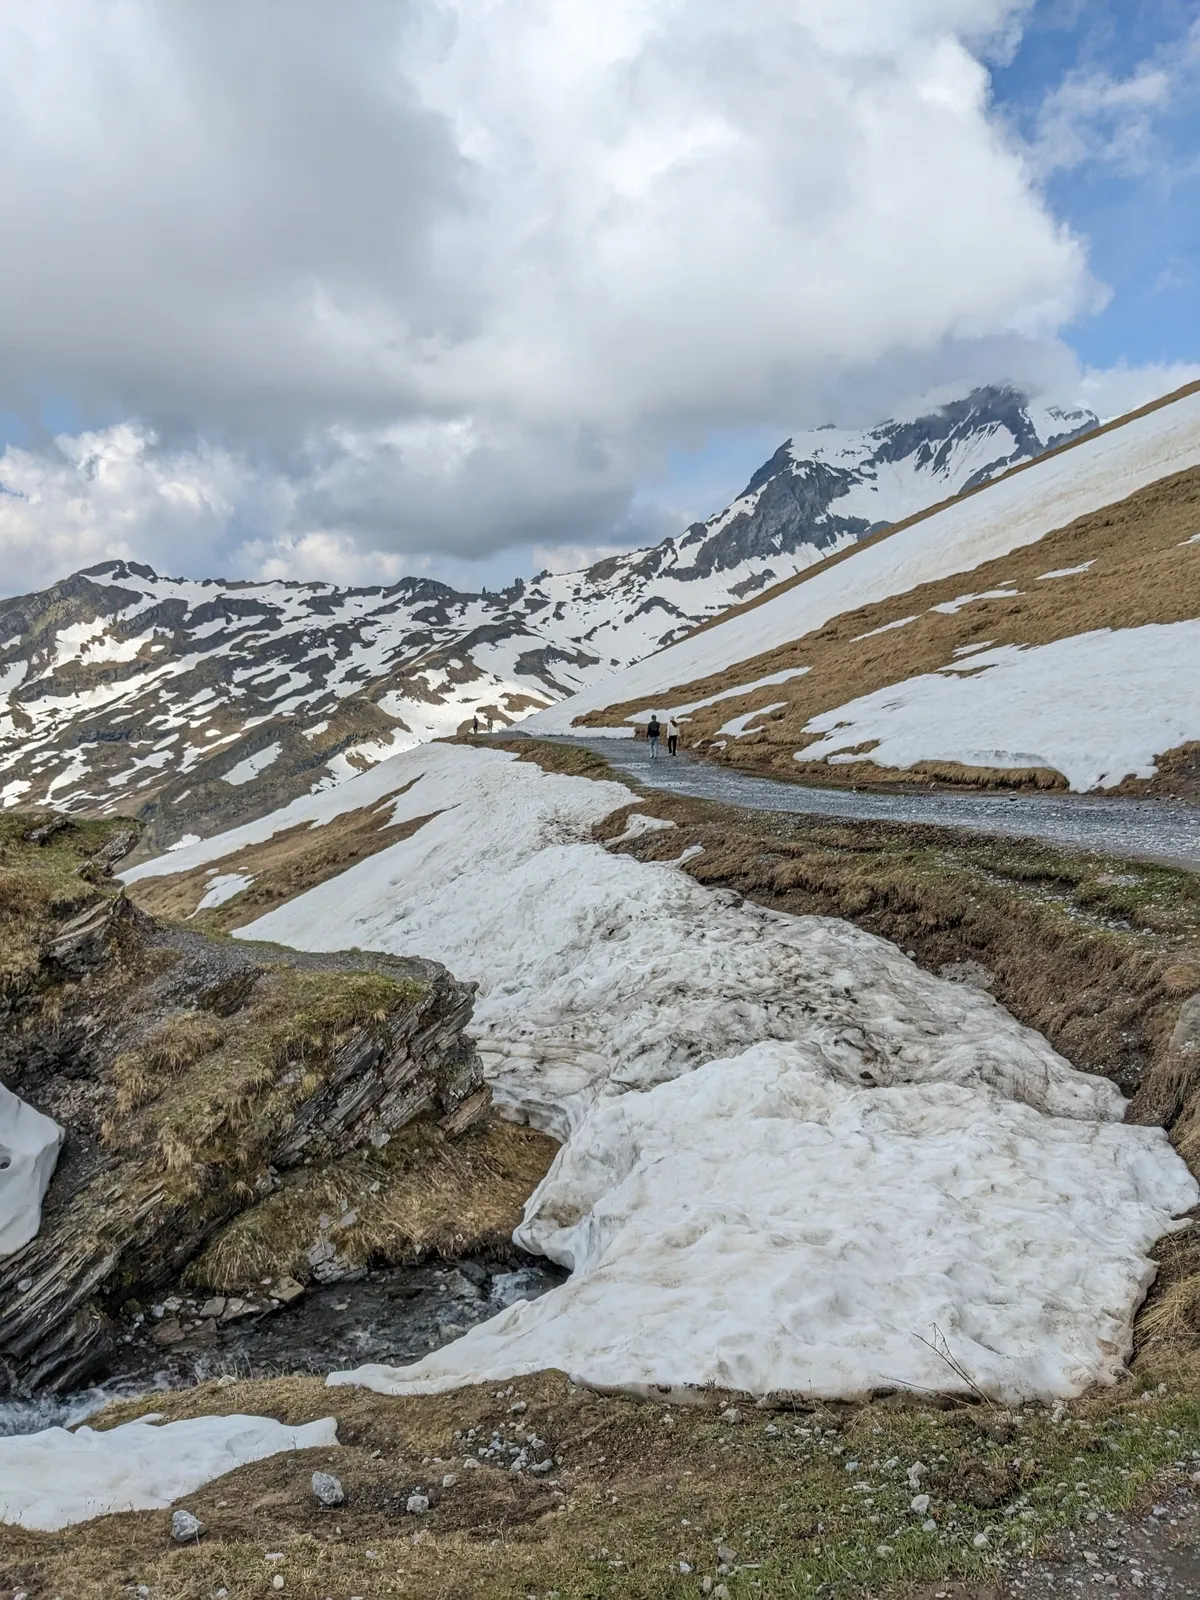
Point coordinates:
[(193, 704)]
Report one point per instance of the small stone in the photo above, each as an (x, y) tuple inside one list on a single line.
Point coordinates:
[(287, 1290), (24, 1285), (277, 1581), (920, 1504), (929, 1525), (915, 1473), (721, 1592), (731, 1415), (542, 1466), (470, 1464), (981, 1541), (706, 1585), (726, 1556), (226, 1380), (448, 1480), (417, 1505), (185, 1527), (213, 1307), (517, 1407), (169, 1331), (328, 1489), (684, 1566)]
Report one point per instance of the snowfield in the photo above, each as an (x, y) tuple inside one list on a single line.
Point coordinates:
[(791, 1153), (1097, 707), (764, 1225), (55, 1478), (1012, 512)]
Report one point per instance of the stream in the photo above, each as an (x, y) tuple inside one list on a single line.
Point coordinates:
[(394, 1315)]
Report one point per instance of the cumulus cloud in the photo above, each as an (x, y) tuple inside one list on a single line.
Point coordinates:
[(383, 282)]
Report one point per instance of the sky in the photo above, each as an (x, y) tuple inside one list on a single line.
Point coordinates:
[(470, 287)]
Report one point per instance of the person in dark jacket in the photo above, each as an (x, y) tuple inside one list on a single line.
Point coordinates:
[(653, 731)]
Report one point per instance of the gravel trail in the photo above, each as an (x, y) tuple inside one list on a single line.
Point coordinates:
[(1154, 830)]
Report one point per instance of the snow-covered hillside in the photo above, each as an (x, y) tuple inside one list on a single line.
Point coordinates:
[(123, 690), (1070, 647), (686, 1044)]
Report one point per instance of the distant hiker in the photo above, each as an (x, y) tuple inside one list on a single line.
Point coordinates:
[(672, 736), (475, 723), (653, 730), (488, 715)]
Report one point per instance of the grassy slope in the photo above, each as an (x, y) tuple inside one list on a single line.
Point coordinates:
[(1143, 571), (810, 1502)]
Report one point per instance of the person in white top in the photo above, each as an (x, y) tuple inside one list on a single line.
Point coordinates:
[(672, 736)]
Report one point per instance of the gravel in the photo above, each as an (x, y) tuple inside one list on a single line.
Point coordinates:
[(1151, 829)]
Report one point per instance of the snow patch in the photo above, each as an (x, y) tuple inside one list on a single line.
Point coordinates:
[(1066, 572), (29, 1146), (1097, 707), (223, 886), (252, 765), (737, 726), (764, 1225), (54, 1478), (888, 627)]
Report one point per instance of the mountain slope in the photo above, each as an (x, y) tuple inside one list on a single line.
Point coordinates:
[(1071, 652), (198, 703)]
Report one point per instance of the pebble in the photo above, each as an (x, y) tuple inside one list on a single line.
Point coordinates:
[(919, 1504), (449, 1479), (185, 1527), (470, 1464), (981, 1541), (417, 1505), (517, 1407), (328, 1489), (277, 1581), (726, 1556), (731, 1414)]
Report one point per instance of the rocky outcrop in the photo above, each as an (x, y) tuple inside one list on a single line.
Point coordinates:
[(191, 1075)]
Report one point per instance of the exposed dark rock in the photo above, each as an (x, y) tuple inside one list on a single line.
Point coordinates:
[(190, 1074)]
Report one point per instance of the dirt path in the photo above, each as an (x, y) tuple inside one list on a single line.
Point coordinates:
[(1150, 829)]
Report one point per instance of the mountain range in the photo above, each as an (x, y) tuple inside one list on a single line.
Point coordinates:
[(195, 703)]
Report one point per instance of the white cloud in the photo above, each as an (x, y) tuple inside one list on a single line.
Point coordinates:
[(440, 279), (1095, 117)]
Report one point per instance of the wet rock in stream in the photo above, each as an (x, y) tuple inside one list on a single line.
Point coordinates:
[(394, 1315)]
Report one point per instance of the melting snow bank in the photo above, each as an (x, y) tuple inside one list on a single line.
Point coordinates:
[(791, 1151), (762, 1225), (1097, 707), (29, 1145), (52, 1479)]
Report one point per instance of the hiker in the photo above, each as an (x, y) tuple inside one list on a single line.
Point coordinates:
[(672, 735), (475, 723), (653, 729), (488, 715)]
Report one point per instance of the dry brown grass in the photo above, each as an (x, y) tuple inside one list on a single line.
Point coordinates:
[(176, 1044), (40, 888), (636, 1489), (1142, 572), (284, 866), (421, 1195)]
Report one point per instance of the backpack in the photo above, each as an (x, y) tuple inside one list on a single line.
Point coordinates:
[(653, 729)]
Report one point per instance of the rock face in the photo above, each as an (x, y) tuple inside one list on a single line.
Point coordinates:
[(191, 1075), (197, 705)]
